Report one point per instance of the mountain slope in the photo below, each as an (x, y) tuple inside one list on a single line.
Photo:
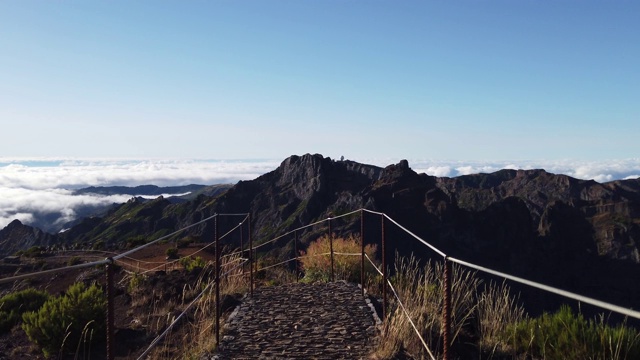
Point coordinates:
[(575, 234)]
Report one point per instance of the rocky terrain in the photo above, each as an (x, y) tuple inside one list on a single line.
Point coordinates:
[(576, 234)]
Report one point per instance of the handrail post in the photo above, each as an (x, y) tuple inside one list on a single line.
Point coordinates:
[(250, 255), (331, 251), (217, 247), (241, 247), (110, 309), (446, 321), (295, 254), (384, 271), (362, 252)]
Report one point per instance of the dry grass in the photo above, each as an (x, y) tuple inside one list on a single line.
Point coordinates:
[(420, 290), (497, 312), (316, 261), (195, 334)]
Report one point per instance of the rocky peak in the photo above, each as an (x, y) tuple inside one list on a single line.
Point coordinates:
[(17, 236), (400, 177), (15, 224)]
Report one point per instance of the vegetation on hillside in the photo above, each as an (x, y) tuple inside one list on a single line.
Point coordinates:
[(13, 305), (72, 321), (488, 321)]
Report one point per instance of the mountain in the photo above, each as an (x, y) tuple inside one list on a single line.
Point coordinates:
[(176, 193), (148, 190), (17, 236), (575, 234)]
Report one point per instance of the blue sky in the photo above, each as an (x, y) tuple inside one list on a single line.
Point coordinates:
[(458, 81)]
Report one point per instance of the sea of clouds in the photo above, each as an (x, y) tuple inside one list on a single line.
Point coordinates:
[(32, 187)]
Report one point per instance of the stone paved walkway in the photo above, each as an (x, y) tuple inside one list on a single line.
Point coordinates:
[(301, 321)]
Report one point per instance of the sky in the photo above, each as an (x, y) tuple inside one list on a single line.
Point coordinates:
[(177, 92), (463, 80)]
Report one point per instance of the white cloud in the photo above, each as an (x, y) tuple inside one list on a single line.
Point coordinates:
[(73, 174), (600, 171), (34, 186), (27, 189)]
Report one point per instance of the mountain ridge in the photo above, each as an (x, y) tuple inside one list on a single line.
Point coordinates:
[(579, 235)]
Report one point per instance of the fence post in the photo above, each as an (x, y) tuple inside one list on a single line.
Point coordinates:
[(110, 309), (362, 253), (331, 250), (241, 248), (250, 255), (446, 321), (217, 247), (295, 254), (384, 271)]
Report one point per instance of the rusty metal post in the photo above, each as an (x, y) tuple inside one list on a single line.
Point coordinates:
[(295, 255), (110, 309), (331, 250), (217, 247), (446, 321), (241, 247), (250, 255), (384, 271), (362, 254)]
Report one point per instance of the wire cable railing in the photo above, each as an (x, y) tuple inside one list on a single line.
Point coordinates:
[(123, 257), (160, 337), (114, 258), (446, 332)]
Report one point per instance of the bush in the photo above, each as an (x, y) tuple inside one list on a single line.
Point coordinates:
[(74, 260), (184, 242), (99, 245), (565, 335), (316, 261), (136, 241), (172, 253), (64, 323), (191, 264), (33, 252), (12, 306)]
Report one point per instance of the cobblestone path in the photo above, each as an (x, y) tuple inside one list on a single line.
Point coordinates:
[(301, 321)]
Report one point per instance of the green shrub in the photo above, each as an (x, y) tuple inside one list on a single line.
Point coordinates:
[(565, 335), (12, 306), (172, 253), (317, 266), (64, 323), (184, 242), (74, 260), (191, 264), (135, 283), (99, 245), (136, 241), (34, 251)]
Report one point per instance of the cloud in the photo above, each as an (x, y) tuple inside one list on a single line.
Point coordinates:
[(32, 188), (25, 204), (72, 174), (36, 188), (600, 171)]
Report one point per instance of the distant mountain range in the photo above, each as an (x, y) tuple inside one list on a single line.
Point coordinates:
[(580, 235), (49, 221), (175, 193)]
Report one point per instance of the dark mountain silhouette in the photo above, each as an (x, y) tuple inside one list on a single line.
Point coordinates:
[(17, 236), (575, 234)]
